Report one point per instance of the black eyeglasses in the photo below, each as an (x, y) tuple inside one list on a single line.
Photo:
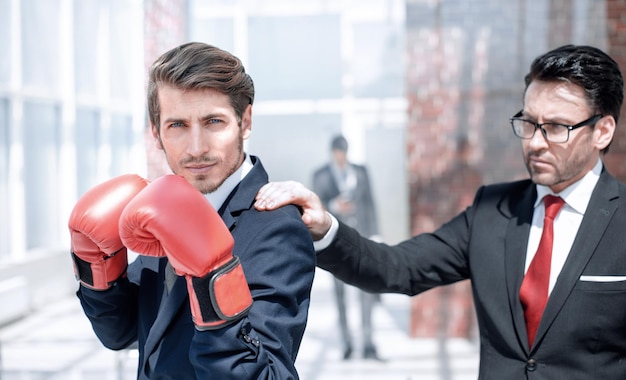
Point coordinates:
[(553, 132)]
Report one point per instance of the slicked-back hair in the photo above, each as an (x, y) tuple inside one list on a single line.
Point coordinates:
[(197, 66), (587, 67)]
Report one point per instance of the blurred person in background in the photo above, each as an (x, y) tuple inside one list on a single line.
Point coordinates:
[(219, 290), (344, 189), (545, 255)]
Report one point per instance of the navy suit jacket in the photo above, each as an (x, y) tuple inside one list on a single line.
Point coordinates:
[(278, 259), (582, 334)]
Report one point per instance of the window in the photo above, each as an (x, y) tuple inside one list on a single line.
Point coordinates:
[(5, 41), (87, 65), (296, 57), (87, 142), (40, 44), (121, 140), (5, 229), (41, 142)]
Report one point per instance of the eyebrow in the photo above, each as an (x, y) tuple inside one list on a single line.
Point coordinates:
[(173, 120), (555, 119), (215, 115)]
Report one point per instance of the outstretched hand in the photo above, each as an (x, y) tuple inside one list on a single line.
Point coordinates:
[(276, 194)]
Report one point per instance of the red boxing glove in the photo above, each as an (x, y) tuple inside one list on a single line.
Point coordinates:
[(171, 216), (99, 256)]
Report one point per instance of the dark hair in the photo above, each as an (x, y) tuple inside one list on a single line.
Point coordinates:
[(339, 143), (194, 66), (585, 66)]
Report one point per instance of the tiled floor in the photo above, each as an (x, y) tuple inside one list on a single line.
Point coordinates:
[(57, 344)]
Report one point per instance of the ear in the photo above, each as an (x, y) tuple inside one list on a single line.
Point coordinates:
[(603, 132), (156, 137), (246, 122)]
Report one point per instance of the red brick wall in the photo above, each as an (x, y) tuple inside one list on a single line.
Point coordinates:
[(465, 68), (165, 23), (616, 25)]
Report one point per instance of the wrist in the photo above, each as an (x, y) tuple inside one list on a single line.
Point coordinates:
[(220, 297), (331, 226), (103, 272)]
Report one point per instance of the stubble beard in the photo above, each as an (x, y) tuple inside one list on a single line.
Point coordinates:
[(202, 182), (570, 169)]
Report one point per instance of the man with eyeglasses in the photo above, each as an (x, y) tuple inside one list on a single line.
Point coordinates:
[(546, 256)]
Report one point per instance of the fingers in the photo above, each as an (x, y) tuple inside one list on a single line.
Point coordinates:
[(276, 194), (316, 224)]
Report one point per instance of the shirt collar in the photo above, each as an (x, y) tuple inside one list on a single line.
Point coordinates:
[(218, 197), (576, 195)]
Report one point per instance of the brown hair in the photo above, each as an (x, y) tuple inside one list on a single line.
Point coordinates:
[(194, 66)]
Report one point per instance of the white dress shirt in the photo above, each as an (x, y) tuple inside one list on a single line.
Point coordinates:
[(218, 197), (566, 223)]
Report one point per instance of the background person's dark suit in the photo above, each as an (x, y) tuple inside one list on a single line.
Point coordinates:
[(582, 334), (277, 255), (348, 184)]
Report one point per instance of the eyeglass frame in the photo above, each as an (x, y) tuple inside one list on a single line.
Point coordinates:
[(591, 121)]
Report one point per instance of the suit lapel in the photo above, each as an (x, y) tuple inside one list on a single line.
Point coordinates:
[(516, 242), (171, 304), (242, 196), (334, 185), (595, 221)]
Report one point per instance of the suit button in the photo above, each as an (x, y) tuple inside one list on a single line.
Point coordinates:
[(531, 365)]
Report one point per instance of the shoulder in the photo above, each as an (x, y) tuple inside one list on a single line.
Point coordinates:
[(505, 193), (610, 188), (258, 233), (287, 212), (508, 187), (322, 170), (286, 219)]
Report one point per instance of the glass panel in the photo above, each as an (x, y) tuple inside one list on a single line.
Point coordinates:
[(41, 142), (378, 64), (316, 129), (120, 48), (121, 140), (86, 26), (5, 231), (5, 41), (217, 32), (87, 143), (295, 57), (40, 43)]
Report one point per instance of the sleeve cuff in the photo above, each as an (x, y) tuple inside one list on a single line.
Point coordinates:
[(324, 242)]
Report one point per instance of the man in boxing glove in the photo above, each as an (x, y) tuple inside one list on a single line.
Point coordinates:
[(219, 290)]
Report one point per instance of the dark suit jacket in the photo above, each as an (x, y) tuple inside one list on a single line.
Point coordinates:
[(583, 331), (326, 187), (278, 259)]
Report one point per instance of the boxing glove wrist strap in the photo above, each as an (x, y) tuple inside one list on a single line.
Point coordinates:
[(220, 297), (103, 274)]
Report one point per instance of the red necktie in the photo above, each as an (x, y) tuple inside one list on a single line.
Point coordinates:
[(534, 290)]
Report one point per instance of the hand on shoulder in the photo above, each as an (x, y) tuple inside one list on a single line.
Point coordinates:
[(277, 194)]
